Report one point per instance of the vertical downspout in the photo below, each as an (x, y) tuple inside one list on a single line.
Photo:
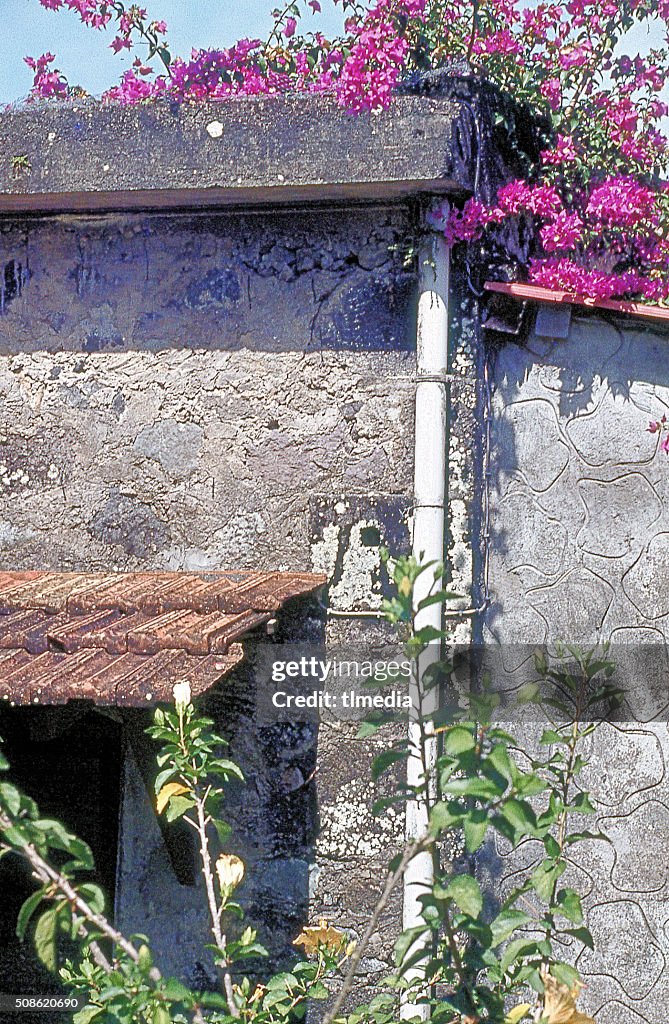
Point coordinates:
[(430, 484)]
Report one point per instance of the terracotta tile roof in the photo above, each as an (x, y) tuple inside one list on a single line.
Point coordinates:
[(127, 638)]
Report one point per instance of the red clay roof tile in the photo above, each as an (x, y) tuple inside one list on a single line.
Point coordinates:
[(127, 638)]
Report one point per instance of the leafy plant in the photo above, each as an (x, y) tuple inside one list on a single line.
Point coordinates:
[(488, 782)]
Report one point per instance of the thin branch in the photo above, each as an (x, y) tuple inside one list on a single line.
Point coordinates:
[(45, 873), (392, 879), (215, 912)]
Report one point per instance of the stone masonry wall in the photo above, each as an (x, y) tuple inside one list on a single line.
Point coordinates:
[(205, 391), (580, 533)]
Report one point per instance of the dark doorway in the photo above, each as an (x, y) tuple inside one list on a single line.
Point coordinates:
[(68, 759)]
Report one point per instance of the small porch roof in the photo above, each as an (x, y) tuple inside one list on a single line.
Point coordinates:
[(125, 639)]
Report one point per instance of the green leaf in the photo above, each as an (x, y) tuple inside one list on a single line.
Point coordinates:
[(445, 816), (551, 846), (577, 837), (550, 736), (565, 973), (545, 877), (178, 806), (517, 949), (367, 729), (419, 934), (582, 935), (14, 836), (212, 1001), (475, 828), (10, 796), (520, 817), (27, 911), (501, 762), (87, 1014), (385, 760), (483, 789), (459, 740), (145, 960), (93, 895), (45, 939), (223, 766), (162, 778), (568, 902), (161, 1015), (465, 892), (223, 830), (177, 993), (582, 804), (528, 784), (506, 923)]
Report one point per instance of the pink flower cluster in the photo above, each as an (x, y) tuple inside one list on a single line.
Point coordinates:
[(377, 57), (48, 83), (608, 242), (622, 202), (370, 74), (569, 275), (564, 152), (94, 13)]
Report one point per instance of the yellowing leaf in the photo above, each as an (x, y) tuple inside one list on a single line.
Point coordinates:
[(517, 1014), (560, 1003), (166, 794), (404, 586)]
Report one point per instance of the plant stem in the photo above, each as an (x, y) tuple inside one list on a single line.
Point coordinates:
[(392, 879), (45, 873), (214, 910)]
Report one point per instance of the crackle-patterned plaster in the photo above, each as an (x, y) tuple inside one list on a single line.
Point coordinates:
[(579, 552)]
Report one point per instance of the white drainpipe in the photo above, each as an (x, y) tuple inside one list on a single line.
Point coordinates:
[(430, 474)]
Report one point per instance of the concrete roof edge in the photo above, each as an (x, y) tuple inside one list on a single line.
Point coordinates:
[(264, 150)]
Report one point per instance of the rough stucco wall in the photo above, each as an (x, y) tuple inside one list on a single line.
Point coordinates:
[(204, 391), (579, 539), (139, 351)]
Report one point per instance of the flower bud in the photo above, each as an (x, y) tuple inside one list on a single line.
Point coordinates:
[(181, 693), (230, 871)]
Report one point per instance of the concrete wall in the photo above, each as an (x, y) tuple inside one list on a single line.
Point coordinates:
[(580, 529), (219, 390)]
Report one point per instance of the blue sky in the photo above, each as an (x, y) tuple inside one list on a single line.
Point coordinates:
[(86, 59)]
